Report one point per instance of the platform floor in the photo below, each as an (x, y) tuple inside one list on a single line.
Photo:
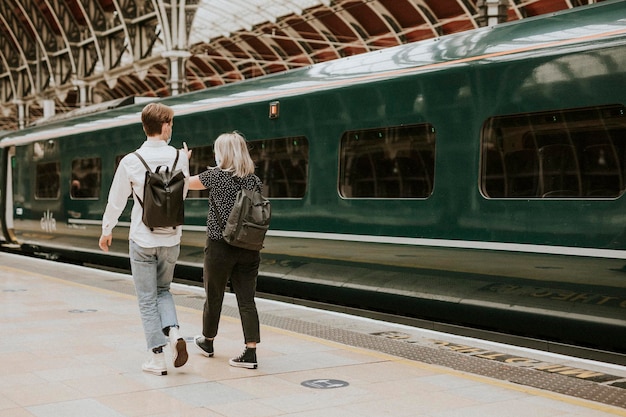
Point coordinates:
[(72, 345)]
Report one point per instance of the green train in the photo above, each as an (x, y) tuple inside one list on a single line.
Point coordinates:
[(472, 181)]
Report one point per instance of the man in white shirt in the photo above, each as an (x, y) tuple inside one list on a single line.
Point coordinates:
[(153, 254)]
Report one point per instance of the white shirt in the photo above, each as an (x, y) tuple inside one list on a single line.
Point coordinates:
[(129, 179)]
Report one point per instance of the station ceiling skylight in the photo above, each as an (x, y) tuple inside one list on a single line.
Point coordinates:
[(215, 18)]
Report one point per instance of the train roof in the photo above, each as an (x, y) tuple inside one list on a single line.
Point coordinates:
[(514, 40)]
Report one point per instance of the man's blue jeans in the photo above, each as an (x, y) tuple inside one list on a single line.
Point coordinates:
[(153, 271)]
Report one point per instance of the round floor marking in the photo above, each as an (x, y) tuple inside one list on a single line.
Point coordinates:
[(324, 383)]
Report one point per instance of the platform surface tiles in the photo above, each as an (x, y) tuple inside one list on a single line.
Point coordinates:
[(72, 345)]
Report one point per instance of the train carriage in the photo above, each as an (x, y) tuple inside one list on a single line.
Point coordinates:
[(474, 180)]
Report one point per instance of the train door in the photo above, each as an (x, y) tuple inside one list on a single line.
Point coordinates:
[(6, 194), (36, 179)]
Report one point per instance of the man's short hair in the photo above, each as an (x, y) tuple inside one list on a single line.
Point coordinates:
[(153, 116)]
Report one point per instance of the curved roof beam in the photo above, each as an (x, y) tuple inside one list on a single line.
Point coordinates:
[(148, 31), (394, 30), (88, 52), (99, 24), (43, 75), (315, 34), (348, 41), (58, 58), (15, 53), (324, 32), (109, 31), (250, 13), (161, 15), (414, 22), (58, 29), (337, 34), (289, 47), (267, 57), (239, 57), (301, 38), (369, 19), (217, 18), (452, 15), (470, 11), (7, 89), (122, 16)]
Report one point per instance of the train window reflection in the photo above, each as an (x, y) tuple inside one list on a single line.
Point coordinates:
[(47, 180), (203, 157), (86, 176), (389, 162), (283, 165), (574, 153)]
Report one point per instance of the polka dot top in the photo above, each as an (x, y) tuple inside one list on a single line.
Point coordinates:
[(223, 188)]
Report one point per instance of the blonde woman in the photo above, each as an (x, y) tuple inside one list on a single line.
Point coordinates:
[(234, 170)]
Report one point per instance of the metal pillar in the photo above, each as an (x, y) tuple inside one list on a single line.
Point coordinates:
[(491, 12), (178, 53), (48, 108), (21, 114), (177, 80), (84, 93)]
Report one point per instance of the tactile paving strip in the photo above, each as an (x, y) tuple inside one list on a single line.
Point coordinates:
[(561, 384)]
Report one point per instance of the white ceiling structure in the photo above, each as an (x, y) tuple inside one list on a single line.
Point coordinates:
[(62, 57), (216, 18)]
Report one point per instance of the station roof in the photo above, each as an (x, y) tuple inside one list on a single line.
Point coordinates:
[(60, 57)]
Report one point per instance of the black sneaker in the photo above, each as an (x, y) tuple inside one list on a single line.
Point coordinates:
[(246, 360), (205, 345)]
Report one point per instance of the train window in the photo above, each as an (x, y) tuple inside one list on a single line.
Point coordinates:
[(47, 180), (574, 153), (45, 149), (202, 158), (86, 176), (389, 162), (283, 165)]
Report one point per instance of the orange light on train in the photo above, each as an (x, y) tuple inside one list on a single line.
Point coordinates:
[(274, 109)]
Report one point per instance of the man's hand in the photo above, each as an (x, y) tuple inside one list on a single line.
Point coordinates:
[(105, 242)]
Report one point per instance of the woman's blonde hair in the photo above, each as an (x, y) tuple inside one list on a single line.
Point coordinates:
[(231, 150)]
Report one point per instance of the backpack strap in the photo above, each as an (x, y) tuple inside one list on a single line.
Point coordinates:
[(175, 160), (147, 168), (143, 161)]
